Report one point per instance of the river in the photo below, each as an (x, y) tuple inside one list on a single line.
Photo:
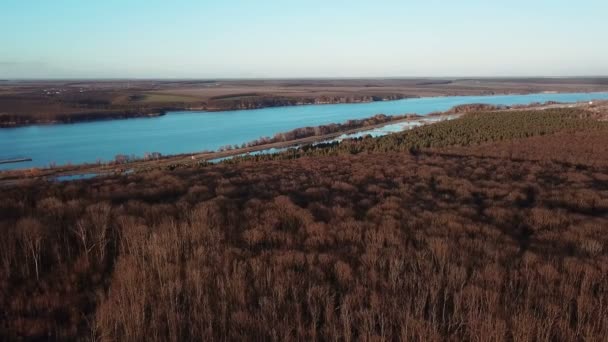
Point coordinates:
[(183, 132)]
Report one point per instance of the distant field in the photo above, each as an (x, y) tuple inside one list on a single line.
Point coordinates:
[(158, 98), (29, 102)]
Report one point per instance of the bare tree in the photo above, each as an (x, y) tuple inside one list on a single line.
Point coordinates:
[(32, 236)]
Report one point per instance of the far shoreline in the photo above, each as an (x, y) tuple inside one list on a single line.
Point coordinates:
[(126, 115)]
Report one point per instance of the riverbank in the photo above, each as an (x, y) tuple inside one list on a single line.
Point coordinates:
[(25, 103), (191, 159), (83, 117), (197, 158), (14, 160)]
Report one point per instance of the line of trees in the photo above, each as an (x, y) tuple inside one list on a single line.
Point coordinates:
[(305, 132)]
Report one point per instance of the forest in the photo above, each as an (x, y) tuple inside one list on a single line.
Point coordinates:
[(488, 227)]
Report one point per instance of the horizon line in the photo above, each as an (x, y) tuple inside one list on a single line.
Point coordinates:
[(2, 79)]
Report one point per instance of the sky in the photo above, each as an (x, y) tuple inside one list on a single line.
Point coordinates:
[(301, 39)]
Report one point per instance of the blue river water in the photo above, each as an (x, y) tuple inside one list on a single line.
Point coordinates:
[(184, 132)]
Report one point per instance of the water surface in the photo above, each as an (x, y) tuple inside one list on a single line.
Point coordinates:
[(184, 132)]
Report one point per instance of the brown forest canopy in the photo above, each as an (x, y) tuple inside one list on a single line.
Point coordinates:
[(451, 231)]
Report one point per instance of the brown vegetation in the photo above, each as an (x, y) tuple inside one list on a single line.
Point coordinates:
[(305, 132), (465, 243), (586, 147)]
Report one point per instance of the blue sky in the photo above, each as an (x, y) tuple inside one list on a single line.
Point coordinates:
[(232, 38)]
